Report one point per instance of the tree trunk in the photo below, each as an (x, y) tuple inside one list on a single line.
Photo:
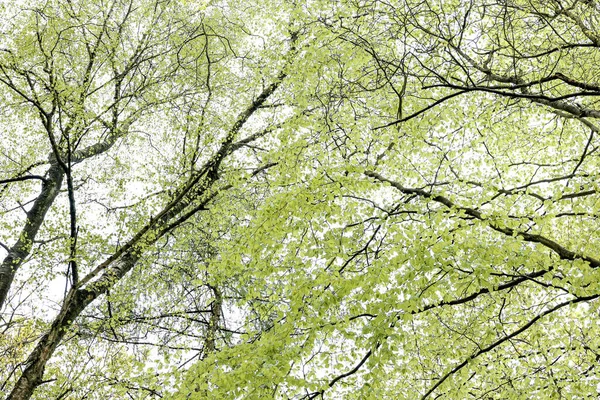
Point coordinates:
[(35, 217), (75, 303)]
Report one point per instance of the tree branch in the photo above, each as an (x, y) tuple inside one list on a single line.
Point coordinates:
[(504, 339), (562, 252), (23, 178)]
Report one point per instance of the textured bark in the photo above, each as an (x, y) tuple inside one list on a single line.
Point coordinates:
[(114, 269), (35, 217), (79, 298), (216, 309), (76, 302)]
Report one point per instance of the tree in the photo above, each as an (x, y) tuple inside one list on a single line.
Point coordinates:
[(323, 200)]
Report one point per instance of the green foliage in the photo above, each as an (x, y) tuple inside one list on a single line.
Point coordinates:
[(358, 200)]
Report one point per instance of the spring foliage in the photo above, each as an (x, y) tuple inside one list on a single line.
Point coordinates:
[(299, 200)]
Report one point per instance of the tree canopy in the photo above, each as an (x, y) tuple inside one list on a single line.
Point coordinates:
[(299, 200)]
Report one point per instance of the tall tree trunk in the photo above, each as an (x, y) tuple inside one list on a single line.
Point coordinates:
[(75, 303), (35, 217)]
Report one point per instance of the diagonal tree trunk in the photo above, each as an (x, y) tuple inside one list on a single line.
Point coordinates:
[(192, 197), (35, 217)]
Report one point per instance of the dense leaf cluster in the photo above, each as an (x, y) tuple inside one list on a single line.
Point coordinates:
[(299, 200)]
